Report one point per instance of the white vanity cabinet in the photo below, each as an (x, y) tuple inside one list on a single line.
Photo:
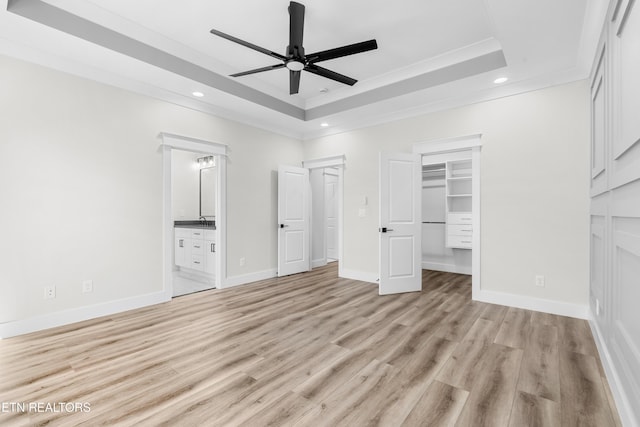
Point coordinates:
[(182, 250), (209, 252), (195, 249)]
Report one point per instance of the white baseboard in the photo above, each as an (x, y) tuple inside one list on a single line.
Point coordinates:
[(532, 303), (318, 262), (196, 276), (248, 278), (623, 403), (363, 276), (66, 317), (449, 268)]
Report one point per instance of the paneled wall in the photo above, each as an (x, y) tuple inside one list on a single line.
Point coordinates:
[(615, 202)]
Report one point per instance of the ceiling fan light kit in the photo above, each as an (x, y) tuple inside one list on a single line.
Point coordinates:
[(295, 59)]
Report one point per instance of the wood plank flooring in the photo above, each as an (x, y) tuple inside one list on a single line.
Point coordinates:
[(312, 350)]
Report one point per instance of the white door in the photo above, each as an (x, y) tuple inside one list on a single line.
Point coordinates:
[(293, 220), (400, 223), (331, 212)]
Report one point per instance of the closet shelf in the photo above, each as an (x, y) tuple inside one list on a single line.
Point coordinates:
[(458, 195)]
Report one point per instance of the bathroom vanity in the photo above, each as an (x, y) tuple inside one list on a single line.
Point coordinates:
[(195, 249)]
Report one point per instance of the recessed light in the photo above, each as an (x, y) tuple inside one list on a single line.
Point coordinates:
[(324, 124), (197, 94), (500, 80)]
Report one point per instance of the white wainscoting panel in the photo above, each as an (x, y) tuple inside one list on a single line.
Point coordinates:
[(615, 205)]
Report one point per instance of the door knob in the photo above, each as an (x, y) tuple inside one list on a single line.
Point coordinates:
[(384, 229), (283, 225)]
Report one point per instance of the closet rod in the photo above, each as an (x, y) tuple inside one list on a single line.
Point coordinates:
[(433, 222)]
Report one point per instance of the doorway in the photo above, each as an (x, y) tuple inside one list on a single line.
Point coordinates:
[(194, 214), (400, 229), (447, 223), (460, 158), (194, 206), (316, 203), (326, 176), (324, 216)]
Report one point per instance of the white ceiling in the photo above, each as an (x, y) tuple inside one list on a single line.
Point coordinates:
[(431, 54)]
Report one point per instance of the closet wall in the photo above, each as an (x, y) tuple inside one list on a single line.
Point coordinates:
[(615, 204)]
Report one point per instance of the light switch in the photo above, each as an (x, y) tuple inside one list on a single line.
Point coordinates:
[(362, 212), (365, 200)]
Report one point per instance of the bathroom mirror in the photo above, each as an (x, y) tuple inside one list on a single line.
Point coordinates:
[(208, 192)]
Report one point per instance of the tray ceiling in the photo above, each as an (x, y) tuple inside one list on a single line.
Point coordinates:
[(430, 54)]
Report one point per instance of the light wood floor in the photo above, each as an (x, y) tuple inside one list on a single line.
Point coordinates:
[(314, 350)]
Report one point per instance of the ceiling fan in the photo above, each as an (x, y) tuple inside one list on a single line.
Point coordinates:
[(295, 59)]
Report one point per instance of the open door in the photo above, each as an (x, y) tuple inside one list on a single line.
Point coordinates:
[(293, 220), (400, 223)]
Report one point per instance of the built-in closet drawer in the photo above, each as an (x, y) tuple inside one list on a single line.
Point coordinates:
[(460, 242), (459, 218), (460, 230)]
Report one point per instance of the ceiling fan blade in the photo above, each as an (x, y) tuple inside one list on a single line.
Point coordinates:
[(247, 44), (294, 82), (296, 30), (312, 68), (258, 70), (339, 52)]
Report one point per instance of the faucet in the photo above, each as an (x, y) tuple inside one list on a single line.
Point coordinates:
[(203, 220)]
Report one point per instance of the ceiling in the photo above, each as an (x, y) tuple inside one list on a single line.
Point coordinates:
[(431, 54)]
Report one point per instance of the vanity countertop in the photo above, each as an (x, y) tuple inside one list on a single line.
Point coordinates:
[(209, 225)]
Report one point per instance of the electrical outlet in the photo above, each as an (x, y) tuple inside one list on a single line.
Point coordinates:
[(540, 281), (49, 292), (87, 286), (242, 261)]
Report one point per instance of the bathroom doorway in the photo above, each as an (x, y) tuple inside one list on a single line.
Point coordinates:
[(194, 214), (193, 207)]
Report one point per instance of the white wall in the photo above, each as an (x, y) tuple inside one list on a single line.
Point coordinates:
[(185, 185), (81, 190), (535, 161)]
